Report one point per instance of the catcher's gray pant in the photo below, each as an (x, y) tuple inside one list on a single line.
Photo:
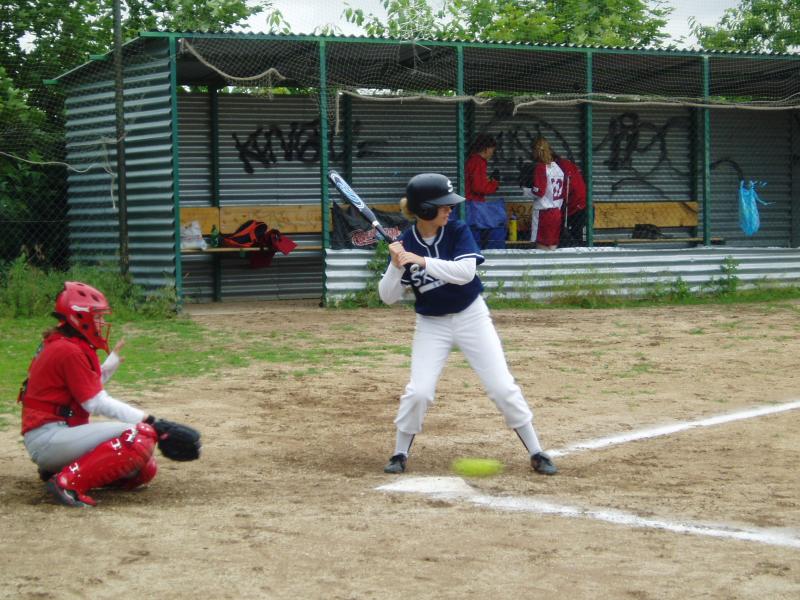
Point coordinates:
[(55, 445), (473, 332)]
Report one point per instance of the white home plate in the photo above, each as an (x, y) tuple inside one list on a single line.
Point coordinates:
[(447, 487)]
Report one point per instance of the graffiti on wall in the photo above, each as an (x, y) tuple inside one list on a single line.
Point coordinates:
[(633, 148), (630, 138), (299, 143)]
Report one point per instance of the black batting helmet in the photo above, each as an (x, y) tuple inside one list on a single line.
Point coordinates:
[(426, 192)]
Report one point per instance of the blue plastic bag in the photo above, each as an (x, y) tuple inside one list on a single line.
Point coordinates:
[(749, 220)]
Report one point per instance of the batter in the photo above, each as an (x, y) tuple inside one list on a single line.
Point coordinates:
[(450, 312)]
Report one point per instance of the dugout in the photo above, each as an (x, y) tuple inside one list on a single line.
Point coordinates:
[(232, 122)]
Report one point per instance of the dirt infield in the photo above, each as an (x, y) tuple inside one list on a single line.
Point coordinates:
[(284, 502)]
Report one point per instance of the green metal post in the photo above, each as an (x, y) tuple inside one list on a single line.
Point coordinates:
[(213, 106), (216, 260), (119, 113), (323, 155), (347, 136), (588, 153), (176, 175), (460, 128), (706, 155)]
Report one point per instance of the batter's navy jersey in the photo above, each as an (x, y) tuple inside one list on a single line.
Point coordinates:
[(433, 296)]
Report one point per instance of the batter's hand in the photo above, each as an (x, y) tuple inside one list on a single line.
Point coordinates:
[(395, 250), (409, 258)]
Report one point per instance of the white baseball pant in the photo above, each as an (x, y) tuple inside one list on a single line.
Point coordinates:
[(473, 332)]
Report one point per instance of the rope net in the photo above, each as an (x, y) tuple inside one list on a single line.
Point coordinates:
[(58, 143)]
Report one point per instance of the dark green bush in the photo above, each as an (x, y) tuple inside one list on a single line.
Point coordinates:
[(30, 291)]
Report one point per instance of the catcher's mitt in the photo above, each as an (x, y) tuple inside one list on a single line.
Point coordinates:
[(177, 441)]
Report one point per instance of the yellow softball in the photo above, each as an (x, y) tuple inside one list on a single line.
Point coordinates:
[(477, 467)]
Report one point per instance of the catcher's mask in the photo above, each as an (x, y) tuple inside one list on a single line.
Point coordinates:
[(426, 192), (84, 308)]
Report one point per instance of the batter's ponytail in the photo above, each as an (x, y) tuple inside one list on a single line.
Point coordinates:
[(405, 210)]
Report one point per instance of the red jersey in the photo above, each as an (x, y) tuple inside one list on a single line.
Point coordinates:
[(63, 375), (477, 183), (576, 197)]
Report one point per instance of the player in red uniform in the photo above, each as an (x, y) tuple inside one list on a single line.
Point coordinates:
[(477, 182), (547, 191), (575, 214), (65, 386)]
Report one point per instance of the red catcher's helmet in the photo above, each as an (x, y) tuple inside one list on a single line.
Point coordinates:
[(84, 308)]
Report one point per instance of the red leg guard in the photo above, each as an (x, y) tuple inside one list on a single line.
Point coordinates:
[(145, 475), (118, 458)]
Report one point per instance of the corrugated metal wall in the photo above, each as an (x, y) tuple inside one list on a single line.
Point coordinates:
[(194, 150), (90, 138), (394, 141), (540, 275), (759, 143), (268, 155), (269, 150)]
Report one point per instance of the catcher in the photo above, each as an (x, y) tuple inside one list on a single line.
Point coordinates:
[(65, 386)]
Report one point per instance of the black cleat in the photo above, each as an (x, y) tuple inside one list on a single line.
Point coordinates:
[(542, 463), (45, 475), (63, 495), (396, 464)]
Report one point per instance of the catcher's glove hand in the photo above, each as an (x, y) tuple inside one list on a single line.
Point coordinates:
[(177, 441)]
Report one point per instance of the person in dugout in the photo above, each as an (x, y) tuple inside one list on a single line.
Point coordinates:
[(487, 220), (546, 188), (574, 217), (64, 386), (478, 183)]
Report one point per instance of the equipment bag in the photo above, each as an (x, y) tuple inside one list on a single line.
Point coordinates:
[(249, 234)]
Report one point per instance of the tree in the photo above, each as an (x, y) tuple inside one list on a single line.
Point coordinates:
[(753, 26), (589, 22), (39, 40), (29, 217)]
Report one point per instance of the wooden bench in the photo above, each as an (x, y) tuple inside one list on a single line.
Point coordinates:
[(288, 219), (616, 216), (663, 214)]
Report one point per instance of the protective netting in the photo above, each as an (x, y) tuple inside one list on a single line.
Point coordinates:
[(58, 142), (59, 200)]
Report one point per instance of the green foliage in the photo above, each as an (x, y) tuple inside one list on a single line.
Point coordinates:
[(39, 40), (729, 283), (676, 291), (753, 26), (368, 296), (31, 213), (207, 15), (602, 22), (28, 291), (407, 19)]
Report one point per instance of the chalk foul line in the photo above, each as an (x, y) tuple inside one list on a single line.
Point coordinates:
[(455, 489), (643, 434)]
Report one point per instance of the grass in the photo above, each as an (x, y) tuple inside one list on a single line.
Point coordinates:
[(160, 351), (182, 348)]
